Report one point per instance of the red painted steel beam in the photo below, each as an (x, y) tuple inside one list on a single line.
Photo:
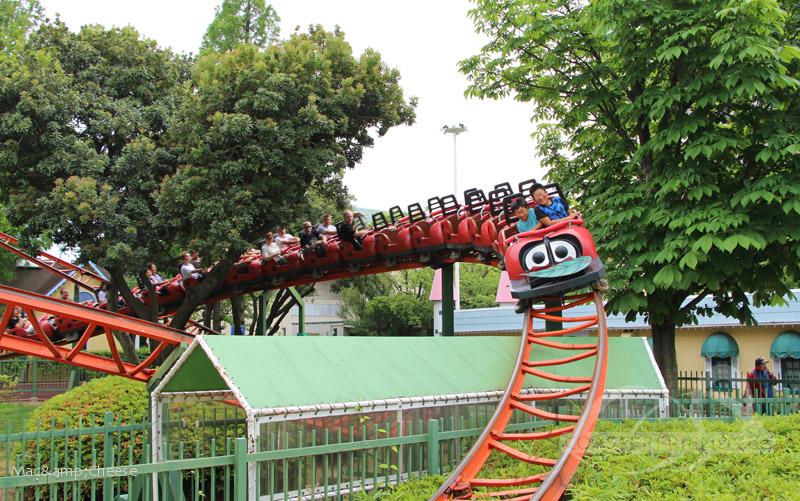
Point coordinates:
[(553, 482), (97, 319), (101, 318), (5, 244), (81, 359)]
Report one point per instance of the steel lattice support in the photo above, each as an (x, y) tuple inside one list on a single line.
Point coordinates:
[(554, 474), (94, 322)]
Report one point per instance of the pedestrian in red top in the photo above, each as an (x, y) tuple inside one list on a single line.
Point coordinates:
[(759, 384)]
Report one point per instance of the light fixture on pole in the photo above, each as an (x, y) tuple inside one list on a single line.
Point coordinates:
[(455, 130)]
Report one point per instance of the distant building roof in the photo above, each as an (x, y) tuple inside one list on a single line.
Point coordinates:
[(35, 279), (32, 278), (436, 288), (504, 319)]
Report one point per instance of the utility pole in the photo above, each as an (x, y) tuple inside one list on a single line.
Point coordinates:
[(455, 130)]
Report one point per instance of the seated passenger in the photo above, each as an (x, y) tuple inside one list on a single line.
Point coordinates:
[(550, 210), (310, 240), (527, 217), (65, 295), (327, 228), (196, 258), (153, 275), (284, 239), (347, 233), (188, 269), (271, 250), (102, 292), (18, 320)]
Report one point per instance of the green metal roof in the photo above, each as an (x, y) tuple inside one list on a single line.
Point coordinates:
[(720, 345), (272, 372), (786, 345)]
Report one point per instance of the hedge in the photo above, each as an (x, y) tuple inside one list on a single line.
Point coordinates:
[(676, 459), (88, 404)]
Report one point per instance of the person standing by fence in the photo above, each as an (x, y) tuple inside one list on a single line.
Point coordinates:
[(759, 385)]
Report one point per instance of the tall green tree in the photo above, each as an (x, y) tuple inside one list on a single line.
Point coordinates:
[(478, 285), (82, 122), (107, 147), (389, 304), (18, 18), (676, 126), (237, 22), (259, 128)]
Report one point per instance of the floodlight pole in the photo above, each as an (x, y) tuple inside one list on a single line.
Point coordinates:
[(451, 298)]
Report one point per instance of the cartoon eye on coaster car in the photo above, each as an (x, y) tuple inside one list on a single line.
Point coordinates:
[(552, 261)]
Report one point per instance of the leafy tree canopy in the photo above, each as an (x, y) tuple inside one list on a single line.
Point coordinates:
[(128, 152), (478, 285), (239, 22), (17, 19), (8, 260), (81, 150), (388, 304), (260, 127), (675, 124)]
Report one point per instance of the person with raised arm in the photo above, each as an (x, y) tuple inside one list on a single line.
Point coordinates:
[(550, 210)]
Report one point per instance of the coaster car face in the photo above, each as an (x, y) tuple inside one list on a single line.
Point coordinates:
[(552, 261), (544, 249)]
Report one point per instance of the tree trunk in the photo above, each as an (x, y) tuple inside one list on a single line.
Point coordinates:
[(664, 352), (256, 314), (237, 312), (125, 340), (208, 312), (197, 295), (216, 317), (118, 281), (140, 310)]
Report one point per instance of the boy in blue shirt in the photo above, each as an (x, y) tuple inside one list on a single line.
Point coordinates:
[(550, 210), (527, 217)]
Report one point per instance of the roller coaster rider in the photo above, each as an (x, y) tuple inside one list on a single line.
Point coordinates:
[(550, 210)]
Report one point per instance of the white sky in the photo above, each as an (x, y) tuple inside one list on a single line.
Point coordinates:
[(423, 39)]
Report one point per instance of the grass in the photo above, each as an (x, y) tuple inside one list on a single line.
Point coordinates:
[(675, 459), (13, 415)]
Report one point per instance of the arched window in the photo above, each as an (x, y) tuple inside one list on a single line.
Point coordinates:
[(721, 359), (785, 352)]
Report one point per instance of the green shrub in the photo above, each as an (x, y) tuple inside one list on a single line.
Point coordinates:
[(673, 459), (85, 406)]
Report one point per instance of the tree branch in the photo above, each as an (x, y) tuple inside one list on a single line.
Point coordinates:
[(694, 302)]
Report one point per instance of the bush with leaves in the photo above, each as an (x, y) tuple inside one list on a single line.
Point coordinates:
[(668, 459), (84, 407)]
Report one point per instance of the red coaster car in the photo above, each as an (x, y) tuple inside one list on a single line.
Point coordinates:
[(551, 261)]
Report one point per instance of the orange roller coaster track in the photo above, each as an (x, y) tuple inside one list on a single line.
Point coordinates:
[(96, 321), (554, 474), (543, 265)]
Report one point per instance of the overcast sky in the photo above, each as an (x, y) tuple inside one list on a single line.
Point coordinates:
[(423, 39)]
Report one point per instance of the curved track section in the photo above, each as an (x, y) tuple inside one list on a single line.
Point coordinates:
[(551, 476), (94, 320)]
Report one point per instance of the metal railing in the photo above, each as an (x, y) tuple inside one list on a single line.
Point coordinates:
[(110, 460), (30, 378), (700, 395)]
